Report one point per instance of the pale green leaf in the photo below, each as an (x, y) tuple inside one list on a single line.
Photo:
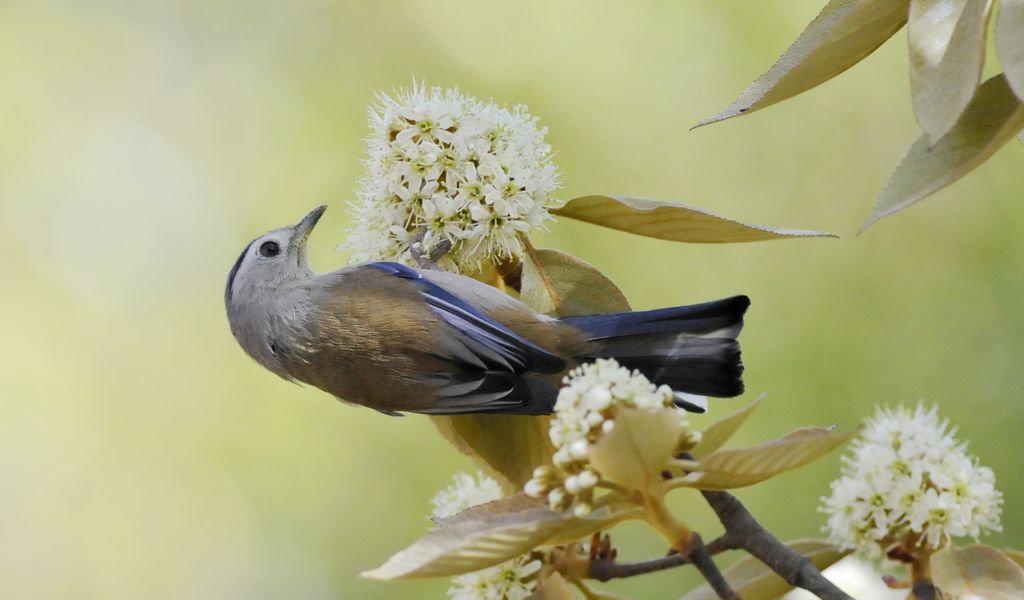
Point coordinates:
[(576, 528), (1015, 555), (977, 571), (947, 53), (719, 432), (843, 34), (1010, 44), (552, 586), (471, 544), (670, 221), (506, 447), (727, 469), (571, 529), (752, 580), (992, 118), (635, 452), (516, 503), (490, 533), (555, 283)]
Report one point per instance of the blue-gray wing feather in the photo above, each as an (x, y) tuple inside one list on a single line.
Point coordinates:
[(488, 358)]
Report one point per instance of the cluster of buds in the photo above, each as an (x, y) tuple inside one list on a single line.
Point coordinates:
[(585, 411)]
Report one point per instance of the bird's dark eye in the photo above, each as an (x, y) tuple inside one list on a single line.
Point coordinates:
[(269, 249)]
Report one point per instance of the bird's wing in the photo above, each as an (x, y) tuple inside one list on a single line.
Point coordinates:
[(487, 357)]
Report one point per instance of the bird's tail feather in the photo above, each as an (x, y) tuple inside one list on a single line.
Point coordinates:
[(691, 349)]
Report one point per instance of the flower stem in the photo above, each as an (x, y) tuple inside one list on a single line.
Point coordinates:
[(921, 577), (678, 535), (685, 541)]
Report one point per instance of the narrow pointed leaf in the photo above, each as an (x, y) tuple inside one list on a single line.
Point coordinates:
[(635, 452), (992, 118), (752, 580), (576, 528), (670, 221), (947, 53), (572, 528), (1010, 43), (977, 571), (728, 469), (516, 503), (485, 535), (556, 283), (506, 447), (843, 34), (470, 545), (716, 435), (1015, 555)]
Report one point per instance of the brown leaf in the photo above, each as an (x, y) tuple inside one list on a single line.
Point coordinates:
[(992, 118), (843, 34), (977, 571), (507, 447), (719, 432), (670, 221), (947, 53), (556, 283), (752, 580), (728, 469), (1010, 44)]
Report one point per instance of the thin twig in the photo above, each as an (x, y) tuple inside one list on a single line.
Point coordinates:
[(603, 569), (701, 558), (749, 535)]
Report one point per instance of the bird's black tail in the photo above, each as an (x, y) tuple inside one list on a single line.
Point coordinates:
[(691, 349)]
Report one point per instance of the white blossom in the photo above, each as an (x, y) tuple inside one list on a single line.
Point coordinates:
[(457, 169), (585, 409), (464, 493), (510, 580), (908, 481)]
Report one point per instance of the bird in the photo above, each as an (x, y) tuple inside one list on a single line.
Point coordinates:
[(400, 339)]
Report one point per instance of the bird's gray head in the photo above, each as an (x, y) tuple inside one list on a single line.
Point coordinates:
[(272, 260)]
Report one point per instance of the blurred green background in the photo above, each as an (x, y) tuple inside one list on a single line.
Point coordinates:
[(142, 454)]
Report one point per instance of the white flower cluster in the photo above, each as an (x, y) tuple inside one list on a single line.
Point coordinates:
[(592, 395), (908, 481), (457, 170), (510, 580), (464, 493)]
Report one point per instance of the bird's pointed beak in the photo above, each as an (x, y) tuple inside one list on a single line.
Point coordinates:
[(301, 231)]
